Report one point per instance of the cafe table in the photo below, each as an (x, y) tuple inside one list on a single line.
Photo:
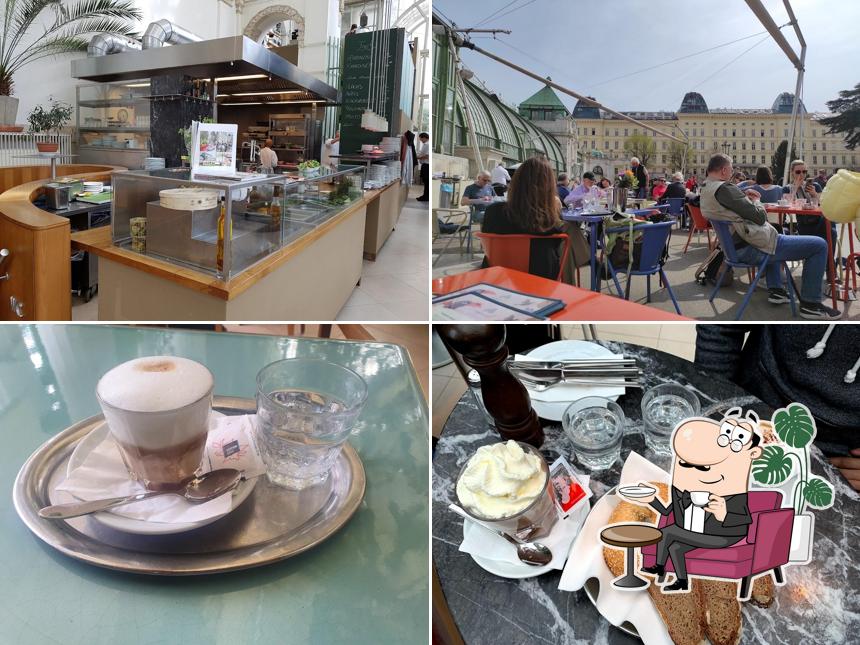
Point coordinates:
[(820, 602), (595, 237), (368, 583), (804, 210), (580, 304)]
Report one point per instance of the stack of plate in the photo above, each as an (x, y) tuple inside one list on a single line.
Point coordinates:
[(377, 173), (393, 170), (153, 163), (367, 147), (93, 187), (188, 199), (390, 144)]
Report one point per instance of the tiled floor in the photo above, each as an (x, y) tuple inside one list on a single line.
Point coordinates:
[(394, 287), (677, 339)]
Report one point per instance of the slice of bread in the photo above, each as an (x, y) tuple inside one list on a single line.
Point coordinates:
[(682, 612), (722, 611), (763, 591), (630, 512)]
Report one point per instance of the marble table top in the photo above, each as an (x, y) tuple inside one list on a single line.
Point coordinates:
[(820, 602)]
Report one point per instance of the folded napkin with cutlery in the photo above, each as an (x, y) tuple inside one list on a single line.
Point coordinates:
[(102, 474), (574, 391)]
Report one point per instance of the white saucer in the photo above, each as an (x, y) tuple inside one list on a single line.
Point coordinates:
[(561, 350), (519, 570), (500, 567), (637, 491), (129, 525)]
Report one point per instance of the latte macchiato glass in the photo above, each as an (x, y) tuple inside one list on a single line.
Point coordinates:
[(157, 409)]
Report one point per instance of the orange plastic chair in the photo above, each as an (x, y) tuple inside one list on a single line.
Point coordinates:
[(698, 224), (513, 251)]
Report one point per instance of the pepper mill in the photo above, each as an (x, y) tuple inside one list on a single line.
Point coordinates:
[(483, 349)]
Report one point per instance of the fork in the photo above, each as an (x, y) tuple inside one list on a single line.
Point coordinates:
[(539, 385)]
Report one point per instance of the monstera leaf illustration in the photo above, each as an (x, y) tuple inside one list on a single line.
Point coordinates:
[(818, 493), (794, 425), (773, 467)]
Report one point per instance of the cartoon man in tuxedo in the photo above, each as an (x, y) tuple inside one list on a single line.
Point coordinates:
[(710, 480)]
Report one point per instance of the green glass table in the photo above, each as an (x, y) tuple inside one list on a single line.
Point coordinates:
[(368, 583)]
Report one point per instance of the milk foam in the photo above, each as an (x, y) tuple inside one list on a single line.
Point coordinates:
[(162, 401), (155, 384)]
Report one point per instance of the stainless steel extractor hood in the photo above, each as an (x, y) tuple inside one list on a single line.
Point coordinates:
[(222, 57)]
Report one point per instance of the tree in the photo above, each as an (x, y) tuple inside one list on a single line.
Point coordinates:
[(66, 31), (679, 154), (777, 161), (846, 119), (641, 146)]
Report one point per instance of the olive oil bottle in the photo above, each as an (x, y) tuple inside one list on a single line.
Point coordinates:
[(219, 258)]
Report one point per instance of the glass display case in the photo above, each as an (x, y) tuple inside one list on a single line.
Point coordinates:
[(224, 226), (113, 123)]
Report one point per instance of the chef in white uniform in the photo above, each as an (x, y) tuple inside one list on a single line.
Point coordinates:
[(268, 158)]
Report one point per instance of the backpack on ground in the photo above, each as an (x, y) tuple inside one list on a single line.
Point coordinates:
[(708, 270)]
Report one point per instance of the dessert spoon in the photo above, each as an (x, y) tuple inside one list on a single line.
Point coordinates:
[(533, 553), (196, 490)]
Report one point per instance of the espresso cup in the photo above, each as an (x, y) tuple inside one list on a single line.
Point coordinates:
[(699, 497), (157, 409)]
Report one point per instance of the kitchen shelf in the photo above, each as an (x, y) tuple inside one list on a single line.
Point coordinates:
[(128, 128), (103, 103), (178, 97), (112, 148)]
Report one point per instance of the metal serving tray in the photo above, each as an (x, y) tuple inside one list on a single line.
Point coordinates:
[(271, 525)]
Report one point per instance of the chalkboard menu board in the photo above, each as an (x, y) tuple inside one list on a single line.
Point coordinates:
[(364, 65)]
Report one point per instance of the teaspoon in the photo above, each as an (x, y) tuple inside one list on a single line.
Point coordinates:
[(533, 553), (196, 490)]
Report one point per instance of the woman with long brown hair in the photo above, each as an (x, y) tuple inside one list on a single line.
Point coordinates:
[(532, 208)]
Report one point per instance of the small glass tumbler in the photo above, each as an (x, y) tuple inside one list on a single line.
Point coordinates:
[(306, 409), (535, 520), (595, 427), (663, 407)]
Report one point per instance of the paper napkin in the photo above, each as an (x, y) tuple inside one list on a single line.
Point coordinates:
[(488, 545), (102, 474)]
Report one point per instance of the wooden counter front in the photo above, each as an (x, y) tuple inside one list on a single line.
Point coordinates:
[(309, 279), (39, 267), (382, 216)]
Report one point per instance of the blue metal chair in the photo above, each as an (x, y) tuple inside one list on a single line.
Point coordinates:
[(676, 205), (655, 237), (676, 208), (724, 235)]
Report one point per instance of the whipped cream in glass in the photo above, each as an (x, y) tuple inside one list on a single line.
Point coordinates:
[(501, 480)]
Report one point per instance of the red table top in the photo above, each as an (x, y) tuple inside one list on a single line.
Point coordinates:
[(581, 304), (771, 208)]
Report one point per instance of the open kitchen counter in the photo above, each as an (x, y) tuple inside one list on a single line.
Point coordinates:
[(38, 287), (310, 277)]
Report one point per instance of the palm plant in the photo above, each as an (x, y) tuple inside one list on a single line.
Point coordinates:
[(66, 31)]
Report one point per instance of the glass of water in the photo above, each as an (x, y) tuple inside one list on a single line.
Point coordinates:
[(663, 407), (306, 409), (595, 426)]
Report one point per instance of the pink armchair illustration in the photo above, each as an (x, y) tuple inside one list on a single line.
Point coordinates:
[(765, 548)]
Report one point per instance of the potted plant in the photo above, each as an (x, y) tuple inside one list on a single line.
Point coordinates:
[(50, 120), (781, 462), (35, 29)]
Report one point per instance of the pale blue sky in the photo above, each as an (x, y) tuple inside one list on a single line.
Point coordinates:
[(583, 43)]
